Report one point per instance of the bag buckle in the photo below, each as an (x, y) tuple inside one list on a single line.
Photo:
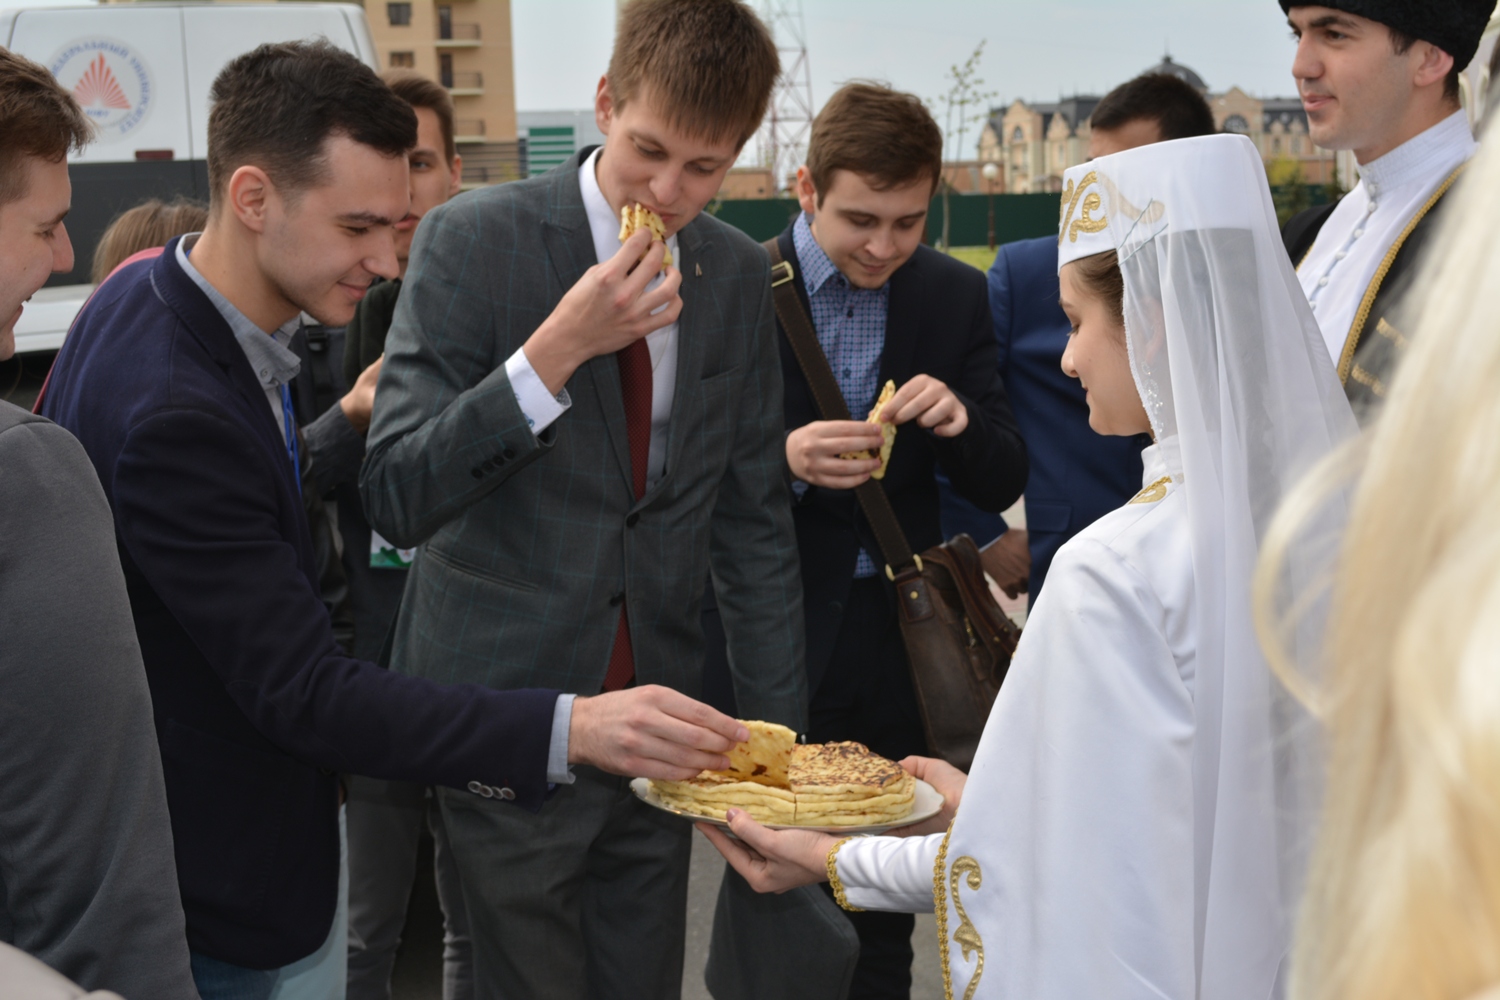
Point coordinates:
[(782, 266), (890, 574)]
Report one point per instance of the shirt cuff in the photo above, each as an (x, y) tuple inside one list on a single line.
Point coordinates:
[(557, 750), (538, 406), (889, 873)]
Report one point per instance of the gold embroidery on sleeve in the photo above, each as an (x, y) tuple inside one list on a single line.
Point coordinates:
[(1152, 493), (966, 936), (940, 908)]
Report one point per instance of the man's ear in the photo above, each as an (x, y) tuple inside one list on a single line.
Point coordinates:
[(807, 195), (604, 106), (1434, 67), (456, 174), (248, 192)]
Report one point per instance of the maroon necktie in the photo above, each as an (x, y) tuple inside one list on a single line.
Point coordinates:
[(635, 386)]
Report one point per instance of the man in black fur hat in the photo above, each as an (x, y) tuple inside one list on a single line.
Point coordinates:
[(1379, 78)]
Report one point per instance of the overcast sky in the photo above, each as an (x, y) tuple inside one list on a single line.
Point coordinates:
[(1037, 49)]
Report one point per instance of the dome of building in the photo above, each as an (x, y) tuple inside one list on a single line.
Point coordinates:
[(1182, 73)]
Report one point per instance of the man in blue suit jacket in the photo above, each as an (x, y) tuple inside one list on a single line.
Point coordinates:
[(174, 378), (1076, 474)]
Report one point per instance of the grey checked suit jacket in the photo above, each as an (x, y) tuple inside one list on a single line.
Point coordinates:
[(530, 543)]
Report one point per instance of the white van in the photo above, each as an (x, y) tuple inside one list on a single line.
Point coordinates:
[(142, 72)]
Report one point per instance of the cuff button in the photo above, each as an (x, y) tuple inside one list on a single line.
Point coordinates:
[(507, 794)]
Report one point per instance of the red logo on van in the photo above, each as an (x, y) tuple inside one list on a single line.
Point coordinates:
[(111, 81), (99, 88)]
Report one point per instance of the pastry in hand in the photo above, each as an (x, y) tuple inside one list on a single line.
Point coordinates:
[(887, 430), (634, 217)]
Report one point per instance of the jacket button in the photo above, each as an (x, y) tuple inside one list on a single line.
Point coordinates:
[(477, 472), (617, 600), (633, 519), (835, 608), (499, 459), (507, 794), (509, 453), (475, 787)]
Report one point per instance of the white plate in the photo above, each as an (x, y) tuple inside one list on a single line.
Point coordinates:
[(927, 804)]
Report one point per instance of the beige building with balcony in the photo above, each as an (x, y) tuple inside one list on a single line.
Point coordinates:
[(1034, 142), (466, 46)]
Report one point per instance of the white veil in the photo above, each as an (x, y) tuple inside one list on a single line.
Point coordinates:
[(1242, 395)]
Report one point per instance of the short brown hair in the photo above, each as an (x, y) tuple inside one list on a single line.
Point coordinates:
[(1176, 106), (277, 105), (421, 92), (150, 224), (711, 64), (887, 137), (38, 118)]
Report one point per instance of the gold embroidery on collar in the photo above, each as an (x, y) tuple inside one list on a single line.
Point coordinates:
[(1152, 493), (1085, 222), (966, 936)]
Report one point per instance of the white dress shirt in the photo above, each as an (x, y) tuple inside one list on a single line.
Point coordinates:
[(1359, 233), (539, 406)]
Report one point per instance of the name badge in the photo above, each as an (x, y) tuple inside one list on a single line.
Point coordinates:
[(384, 555)]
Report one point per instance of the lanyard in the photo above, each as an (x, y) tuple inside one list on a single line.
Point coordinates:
[(289, 424)]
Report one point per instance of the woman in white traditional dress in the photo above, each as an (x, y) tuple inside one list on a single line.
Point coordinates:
[(1135, 818)]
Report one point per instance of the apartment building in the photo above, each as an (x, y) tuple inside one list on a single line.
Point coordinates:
[(466, 46)]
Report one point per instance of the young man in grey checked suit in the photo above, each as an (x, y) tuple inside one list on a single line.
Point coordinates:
[(576, 439)]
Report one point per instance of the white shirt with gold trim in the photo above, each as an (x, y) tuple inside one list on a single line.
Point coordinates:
[(1068, 872), (1360, 232)]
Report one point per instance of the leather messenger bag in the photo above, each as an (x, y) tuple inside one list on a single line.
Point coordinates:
[(957, 639)]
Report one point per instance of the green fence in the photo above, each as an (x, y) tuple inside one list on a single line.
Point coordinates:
[(1017, 217)]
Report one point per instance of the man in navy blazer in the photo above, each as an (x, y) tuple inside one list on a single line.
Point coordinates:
[(1076, 474), (174, 378)]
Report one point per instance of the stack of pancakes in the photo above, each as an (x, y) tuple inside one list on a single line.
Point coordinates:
[(776, 780)]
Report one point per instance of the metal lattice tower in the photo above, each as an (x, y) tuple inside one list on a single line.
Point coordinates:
[(784, 133)]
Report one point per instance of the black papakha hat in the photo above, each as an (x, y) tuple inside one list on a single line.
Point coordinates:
[(1452, 25)]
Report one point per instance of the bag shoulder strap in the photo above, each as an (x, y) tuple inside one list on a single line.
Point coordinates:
[(830, 401)]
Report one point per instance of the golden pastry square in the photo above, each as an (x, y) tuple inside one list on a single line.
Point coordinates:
[(765, 757), (887, 431), (633, 217)]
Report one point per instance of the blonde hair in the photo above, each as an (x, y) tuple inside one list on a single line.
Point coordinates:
[(150, 224), (1403, 891)]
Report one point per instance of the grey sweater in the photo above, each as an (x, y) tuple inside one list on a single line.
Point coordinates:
[(87, 879)]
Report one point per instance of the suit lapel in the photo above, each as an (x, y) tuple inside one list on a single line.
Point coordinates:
[(691, 346), (570, 251), (903, 321)]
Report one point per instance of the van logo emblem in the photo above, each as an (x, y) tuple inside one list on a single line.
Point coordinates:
[(111, 82)]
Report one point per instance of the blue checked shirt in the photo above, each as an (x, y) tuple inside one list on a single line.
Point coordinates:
[(850, 323)]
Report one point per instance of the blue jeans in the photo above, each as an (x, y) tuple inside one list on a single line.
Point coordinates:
[(218, 980), (319, 976)]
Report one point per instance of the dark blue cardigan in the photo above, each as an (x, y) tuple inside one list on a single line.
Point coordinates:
[(257, 709)]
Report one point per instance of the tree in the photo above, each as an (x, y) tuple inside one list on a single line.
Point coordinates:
[(958, 107)]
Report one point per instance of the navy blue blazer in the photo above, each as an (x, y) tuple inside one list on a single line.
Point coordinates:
[(937, 324), (1077, 475), (256, 707)]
